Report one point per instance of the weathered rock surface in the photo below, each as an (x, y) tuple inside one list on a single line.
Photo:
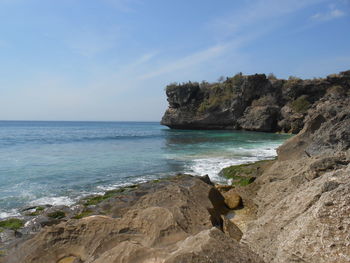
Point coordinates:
[(249, 102), (173, 220), (303, 199)]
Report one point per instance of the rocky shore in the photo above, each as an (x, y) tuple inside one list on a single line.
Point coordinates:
[(292, 209), (179, 219)]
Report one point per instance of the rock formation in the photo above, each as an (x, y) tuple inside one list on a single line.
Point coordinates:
[(173, 220), (255, 102), (302, 201)]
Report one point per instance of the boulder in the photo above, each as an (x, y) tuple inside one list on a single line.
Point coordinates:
[(232, 199)]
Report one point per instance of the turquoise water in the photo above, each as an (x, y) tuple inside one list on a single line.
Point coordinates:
[(59, 162)]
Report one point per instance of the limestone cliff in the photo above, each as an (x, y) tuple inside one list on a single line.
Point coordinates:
[(302, 200), (254, 102)]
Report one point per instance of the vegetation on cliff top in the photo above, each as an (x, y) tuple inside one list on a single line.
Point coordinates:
[(222, 93), (301, 104)]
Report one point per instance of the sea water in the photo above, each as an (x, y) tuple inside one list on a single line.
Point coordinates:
[(59, 162)]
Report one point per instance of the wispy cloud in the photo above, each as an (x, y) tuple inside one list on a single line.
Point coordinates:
[(331, 14), (89, 42), (257, 13), (235, 28), (187, 61), (129, 70)]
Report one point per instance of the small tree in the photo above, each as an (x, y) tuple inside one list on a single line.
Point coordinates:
[(221, 79), (271, 76)]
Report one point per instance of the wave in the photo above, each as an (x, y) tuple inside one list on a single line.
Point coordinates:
[(213, 165), (11, 213), (58, 200)]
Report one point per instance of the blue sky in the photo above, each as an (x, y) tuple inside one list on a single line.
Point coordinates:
[(111, 59)]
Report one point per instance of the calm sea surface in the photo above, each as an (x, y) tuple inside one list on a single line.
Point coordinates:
[(59, 162)]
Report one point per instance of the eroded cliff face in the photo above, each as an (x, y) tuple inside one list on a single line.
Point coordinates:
[(302, 200), (254, 102)]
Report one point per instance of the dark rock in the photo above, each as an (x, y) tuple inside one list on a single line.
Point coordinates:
[(7, 235), (206, 179), (251, 102), (260, 118)]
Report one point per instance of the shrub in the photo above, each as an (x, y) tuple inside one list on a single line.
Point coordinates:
[(293, 78), (336, 90), (235, 82), (301, 104), (264, 101), (271, 76), (204, 84), (174, 85), (221, 79)]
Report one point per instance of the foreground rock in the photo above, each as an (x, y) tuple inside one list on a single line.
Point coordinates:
[(303, 199), (172, 220), (254, 102)]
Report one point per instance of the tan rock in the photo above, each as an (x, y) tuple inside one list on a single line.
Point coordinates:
[(70, 259), (223, 188), (174, 221), (232, 199)]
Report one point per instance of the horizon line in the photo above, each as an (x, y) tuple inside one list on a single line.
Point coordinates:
[(74, 121)]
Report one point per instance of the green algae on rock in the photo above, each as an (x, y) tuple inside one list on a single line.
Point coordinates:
[(244, 174), (12, 223), (94, 200), (57, 214)]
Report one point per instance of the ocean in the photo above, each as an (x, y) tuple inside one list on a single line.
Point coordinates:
[(60, 162)]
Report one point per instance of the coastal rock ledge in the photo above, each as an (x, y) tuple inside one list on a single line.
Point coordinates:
[(254, 102), (166, 221)]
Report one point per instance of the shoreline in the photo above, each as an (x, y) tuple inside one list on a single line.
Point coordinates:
[(30, 216), (210, 164), (37, 165)]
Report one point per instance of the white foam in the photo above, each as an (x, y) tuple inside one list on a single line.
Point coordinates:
[(142, 179), (59, 200), (213, 165), (263, 152), (11, 213)]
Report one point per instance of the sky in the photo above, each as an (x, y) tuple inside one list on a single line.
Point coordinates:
[(110, 60)]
